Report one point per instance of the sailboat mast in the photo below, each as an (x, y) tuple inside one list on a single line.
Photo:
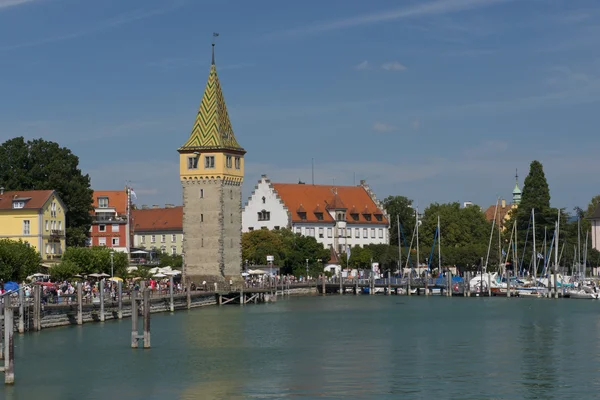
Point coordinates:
[(585, 249), (399, 245), (417, 222), (579, 244), (516, 267), (534, 248), (556, 241), (439, 247)]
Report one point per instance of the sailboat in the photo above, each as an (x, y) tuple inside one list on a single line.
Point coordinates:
[(583, 291)]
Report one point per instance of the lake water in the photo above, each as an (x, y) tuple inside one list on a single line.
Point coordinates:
[(350, 347)]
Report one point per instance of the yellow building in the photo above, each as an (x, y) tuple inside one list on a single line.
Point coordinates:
[(37, 217)]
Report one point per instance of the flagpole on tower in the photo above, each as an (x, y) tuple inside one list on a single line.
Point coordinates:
[(215, 35)]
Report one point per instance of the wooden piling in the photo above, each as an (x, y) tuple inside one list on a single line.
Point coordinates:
[(408, 288), (389, 288), (555, 282), (134, 319), (449, 284), (147, 318), (120, 304), (101, 286), (79, 303), (467, 286), (242, 296), (489, 285), (189, 295), (171, 301), (323, 292), (37, 308), (9, 344), (356, 286), (507, 284), (341, 283), (426, 283), (21, 326)]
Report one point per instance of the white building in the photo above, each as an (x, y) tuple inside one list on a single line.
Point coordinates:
[(338, 216), (595, 220)]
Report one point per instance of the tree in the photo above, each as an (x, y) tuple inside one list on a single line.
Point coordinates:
[(43, 165), (399, 207), (17, 260), (64, 271), (96, 260), (169, 260)]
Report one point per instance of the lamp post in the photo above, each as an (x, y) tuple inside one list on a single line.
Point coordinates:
[(112, 264), (307, 270)]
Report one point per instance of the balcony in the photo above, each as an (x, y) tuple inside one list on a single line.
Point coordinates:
[(108, 219), (56, 235), (53, 257)]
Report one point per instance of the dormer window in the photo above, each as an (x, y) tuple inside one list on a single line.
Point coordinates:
[(367, 216), (18, 204), (102, 202), (378, 217), (319, 216), (340, 216), (302, 216)]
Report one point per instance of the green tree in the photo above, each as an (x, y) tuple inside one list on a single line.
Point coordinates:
[(96, 260), (42, 165), (258, 244), (361, 257), (64, 271), (17, 260), (399, 207), (170, 260)]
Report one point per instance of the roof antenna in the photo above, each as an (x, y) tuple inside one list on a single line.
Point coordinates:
[(215, 35)]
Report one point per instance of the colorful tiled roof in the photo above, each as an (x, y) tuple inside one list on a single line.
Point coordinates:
[(35, 199), (158, 219), (501, 215), (312, 196), (117, 199), (212, 129)]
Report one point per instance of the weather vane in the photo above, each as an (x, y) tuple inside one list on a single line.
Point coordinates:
[(215, 35)]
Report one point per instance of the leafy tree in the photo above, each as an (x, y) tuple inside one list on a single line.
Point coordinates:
[(361, 257), (17, 260), (399, 207), (96, 260), (259, 244), (42, 165), (169, 260), (64, 271)]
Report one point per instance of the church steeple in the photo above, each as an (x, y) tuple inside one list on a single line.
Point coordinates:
[(516, 191), (212, 129)]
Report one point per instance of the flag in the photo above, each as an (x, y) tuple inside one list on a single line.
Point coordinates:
[(540, 256), (132, 193), (503, 252), (347, 254)]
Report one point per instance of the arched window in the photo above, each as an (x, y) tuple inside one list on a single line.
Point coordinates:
[(264, 199)]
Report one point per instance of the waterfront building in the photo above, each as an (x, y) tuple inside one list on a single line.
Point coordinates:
[(37, 217), (336, 216), (159, 229), (211, 168), (110, 220), (595, 220), (505, 209)]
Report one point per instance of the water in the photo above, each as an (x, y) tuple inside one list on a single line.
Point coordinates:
[(350, 347)]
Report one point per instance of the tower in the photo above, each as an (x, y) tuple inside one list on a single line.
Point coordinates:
[(211, 169), (516, 191)]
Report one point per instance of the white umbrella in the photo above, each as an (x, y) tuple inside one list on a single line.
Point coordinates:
[(139, 252), (159, 275), (103, 275)]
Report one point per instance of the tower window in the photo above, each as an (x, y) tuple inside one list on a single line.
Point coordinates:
[(202, 242), (228, 161), (231, 216), (264, 200), (192, 162), (201, 217), (201, 193), (209, 161), (237, 163), (231, 194)]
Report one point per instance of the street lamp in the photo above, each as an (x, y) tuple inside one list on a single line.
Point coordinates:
[(112, 264), (307, 270)]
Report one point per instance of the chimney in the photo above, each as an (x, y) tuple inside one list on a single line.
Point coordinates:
[(144, 207), (169, 205), (503, 203), (363, 182), (155, 206)]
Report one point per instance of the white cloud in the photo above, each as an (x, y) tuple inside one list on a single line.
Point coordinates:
[(420, 9), (11, 3), (363, 65), (383, 127), (393, 66)]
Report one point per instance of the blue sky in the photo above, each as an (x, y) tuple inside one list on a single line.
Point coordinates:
[(435, 100)]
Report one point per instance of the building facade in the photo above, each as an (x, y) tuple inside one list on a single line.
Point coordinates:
[(595, 220), (37, 217), (503, 213), (110, 220), (159, 229), (211, 168), (336, 216)]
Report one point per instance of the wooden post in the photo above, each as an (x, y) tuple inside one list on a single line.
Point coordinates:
[(134, 319), (189, 295), (426, 283), (242, 298), (556, 281), (467, 288), (9, 344), (101, 286), (389, 288), (79, 303), (171, 303), (37, 308), (356, 286), (409, 289), (323, 286), (341, 283), (507, 282), (21, 310), (147, 318), (489, 285), (120, 293), (449, 284)]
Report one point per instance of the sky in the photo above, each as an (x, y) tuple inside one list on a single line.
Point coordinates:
[(436, 100)]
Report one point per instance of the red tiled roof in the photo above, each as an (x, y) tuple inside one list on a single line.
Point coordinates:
[(116, 199), (37, 199), (158, 219), (502, 212), (312, 196)]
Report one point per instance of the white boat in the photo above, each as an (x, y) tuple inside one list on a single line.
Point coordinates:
[(585, 292)]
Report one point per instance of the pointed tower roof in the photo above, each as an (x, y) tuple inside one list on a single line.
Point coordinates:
[(336, 202), (517, 191), (212, 129), (333, 257)]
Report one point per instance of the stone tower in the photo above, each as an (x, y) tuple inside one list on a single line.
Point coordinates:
[(516, 191), (211, 169)]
